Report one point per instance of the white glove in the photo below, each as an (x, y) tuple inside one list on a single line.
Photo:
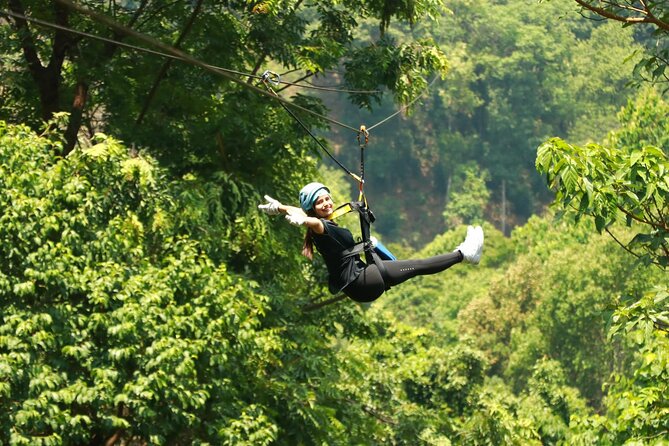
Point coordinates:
[(373, 240), (296, 219), (272, 206)]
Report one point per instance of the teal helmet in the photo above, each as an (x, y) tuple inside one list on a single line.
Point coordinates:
[(310, 193)]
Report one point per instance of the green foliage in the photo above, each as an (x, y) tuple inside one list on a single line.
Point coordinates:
[(148, 305), (554, 300), (644, 123), (552, 402), (401, 68), (517, 74), (497, 418), (540, 324), (610, 185), (118, 322), (652, 67), (409, 11), (636, 413), (628, 183), (112, 317), (639, 398), (434, 301)]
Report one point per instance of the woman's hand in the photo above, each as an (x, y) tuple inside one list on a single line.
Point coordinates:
[(294, 215), (272, 206)]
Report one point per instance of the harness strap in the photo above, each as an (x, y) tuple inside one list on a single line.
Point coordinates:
[(341, 210), (354, 250)]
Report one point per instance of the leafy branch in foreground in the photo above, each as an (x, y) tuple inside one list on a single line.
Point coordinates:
[(612, 185)]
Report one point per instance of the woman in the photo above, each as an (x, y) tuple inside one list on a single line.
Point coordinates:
[(360, 282)]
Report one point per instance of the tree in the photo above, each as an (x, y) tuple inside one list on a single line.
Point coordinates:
[(627, 185), (612, 186), (467, 202), (112, 317), (116, 86)]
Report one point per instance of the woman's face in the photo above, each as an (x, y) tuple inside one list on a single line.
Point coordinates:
[(324, 206)]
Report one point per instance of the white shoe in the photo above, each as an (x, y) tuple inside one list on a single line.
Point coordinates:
[(472, 247)]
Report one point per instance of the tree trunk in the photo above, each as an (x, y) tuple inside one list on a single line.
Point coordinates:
[(78, 104), (46, 78)]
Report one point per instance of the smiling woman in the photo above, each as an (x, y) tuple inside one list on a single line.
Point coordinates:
[(347, 271)]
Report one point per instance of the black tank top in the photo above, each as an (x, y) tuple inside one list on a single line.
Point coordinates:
[(331, 244)]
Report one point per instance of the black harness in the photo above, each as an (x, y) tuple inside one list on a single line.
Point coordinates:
[(366, 246)]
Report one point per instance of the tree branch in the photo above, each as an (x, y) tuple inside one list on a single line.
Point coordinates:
[(316, 306), (151, 16), (76, 114), (662, 218), (621, 244), (619, 18), (627, 249), (111, 441), (634, 217), (306, 76), (26, 39), (373, 412)]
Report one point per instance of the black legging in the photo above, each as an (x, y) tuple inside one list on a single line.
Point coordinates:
[(370, 285)]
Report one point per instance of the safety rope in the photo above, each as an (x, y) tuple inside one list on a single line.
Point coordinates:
[(413, 101), (270, 78), (364, 133)]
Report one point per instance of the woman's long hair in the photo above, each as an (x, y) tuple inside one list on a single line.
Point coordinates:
[(308, 245)]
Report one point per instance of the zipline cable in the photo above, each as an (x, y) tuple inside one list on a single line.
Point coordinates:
[(112, 41), (369, 129), (184, 57), (178, 54)]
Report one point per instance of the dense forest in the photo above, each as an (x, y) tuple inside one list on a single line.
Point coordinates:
[(145, 299)]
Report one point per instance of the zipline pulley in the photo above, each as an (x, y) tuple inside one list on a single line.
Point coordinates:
[(271, 77)]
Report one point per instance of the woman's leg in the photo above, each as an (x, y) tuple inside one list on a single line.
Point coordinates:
[(470, 251), (402, 270), (370, 284)]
